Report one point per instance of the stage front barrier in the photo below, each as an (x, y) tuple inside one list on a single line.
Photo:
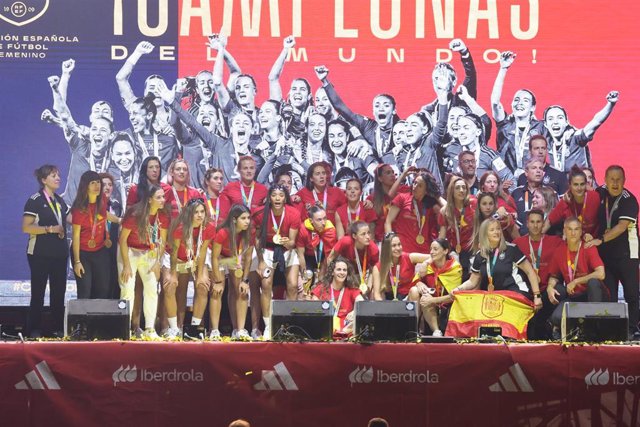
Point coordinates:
[(317, 384)]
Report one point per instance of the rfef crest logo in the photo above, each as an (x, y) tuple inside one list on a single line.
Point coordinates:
[(22, 12), (492, 305)]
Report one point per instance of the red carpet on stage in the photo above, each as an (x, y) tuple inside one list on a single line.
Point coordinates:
[(317, 384)]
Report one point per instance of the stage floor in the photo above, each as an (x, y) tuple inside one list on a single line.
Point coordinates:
[(317, 384)]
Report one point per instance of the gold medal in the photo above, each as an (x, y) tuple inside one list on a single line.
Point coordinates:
[(108, 243), (420, 239), (364, 289), (91, 243), (277, 239), (458, 248), (238, 273)]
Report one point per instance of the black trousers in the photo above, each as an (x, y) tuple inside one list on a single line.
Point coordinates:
[(95, 282), (625, 271), (594, 293), (45, 269)]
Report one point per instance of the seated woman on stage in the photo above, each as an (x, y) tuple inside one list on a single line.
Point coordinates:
[(493, 266), (191, 235), (354, 209), (394, 275), (456, 220), (316, 239), (340, 286), (413, 216), (231, 253), (577, 202), (359, 249), (485, 209), (440, 274), (142, 238), (89, 246), (319, 191)]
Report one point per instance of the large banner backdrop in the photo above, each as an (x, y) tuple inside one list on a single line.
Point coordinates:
[(569, 52)]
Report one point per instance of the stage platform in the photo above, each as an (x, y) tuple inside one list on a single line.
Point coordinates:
[(317, 384)]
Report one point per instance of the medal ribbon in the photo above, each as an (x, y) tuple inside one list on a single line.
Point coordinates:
[(324, 198), (56, 211), (277, 228), (572, 267), (349, 214), (584, 205), (179, 203), (246, 201), (395, 281), (362, 268), (491, 265), (421, 218), (215, 213), (535, 259)]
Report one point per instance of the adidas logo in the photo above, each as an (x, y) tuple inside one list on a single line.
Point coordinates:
[(278, 379), (597, 377), (361, 376), (40, 378), (124, 375), (512, 381)]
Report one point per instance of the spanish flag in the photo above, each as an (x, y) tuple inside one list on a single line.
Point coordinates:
[(472, 309)]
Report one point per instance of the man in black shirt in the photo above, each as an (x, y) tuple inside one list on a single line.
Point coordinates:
[(618, 242), (523, 195), (467, 165)]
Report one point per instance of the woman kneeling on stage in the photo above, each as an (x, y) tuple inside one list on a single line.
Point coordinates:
[(439, 274), (144, 231), (191, 235), (340, 286), (395, 274)]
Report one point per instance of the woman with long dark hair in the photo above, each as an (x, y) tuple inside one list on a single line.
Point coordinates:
[(150, 173), (231, 254), (340, 286), (124, 163), (413, 216), (439, 275), (45, 221), (456, 220), (191, 235), (277, 226), (90, 243), (318, 190), (394, 275), (385, 187), (354, 209), (577, 202), (142, 239), (487, 208)]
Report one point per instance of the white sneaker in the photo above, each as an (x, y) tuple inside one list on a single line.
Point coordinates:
[(267, 332), (437, 333), (256, 334), (138, 333), (215, 335), (173, 333), (234, 334), (150, 334), (243, 335)]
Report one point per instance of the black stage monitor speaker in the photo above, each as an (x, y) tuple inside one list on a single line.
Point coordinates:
[(291, 320), (595, 321), (386, 320), (101, 319)]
